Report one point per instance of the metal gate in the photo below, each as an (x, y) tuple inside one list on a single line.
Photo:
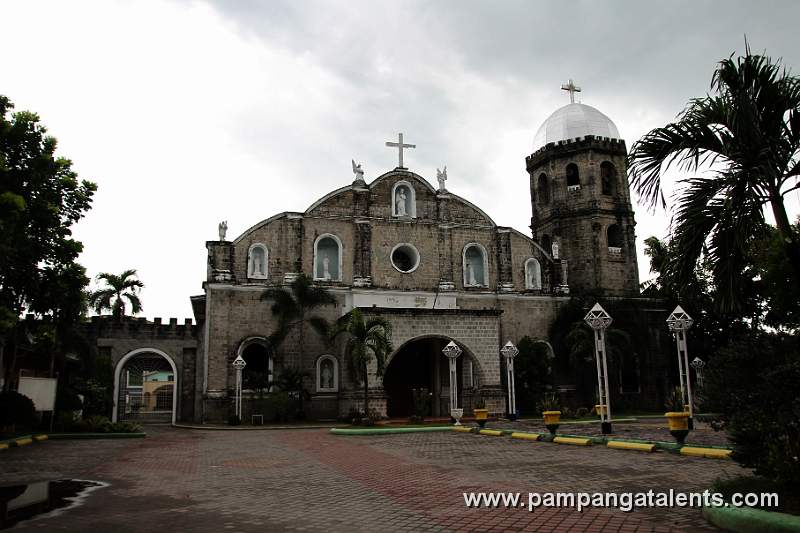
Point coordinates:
[(146, 385)]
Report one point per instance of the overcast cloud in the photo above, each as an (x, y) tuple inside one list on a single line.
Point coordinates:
[(188, 113)]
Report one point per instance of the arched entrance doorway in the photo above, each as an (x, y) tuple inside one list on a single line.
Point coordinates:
[(257, 374), (420, 364), (145, 387)]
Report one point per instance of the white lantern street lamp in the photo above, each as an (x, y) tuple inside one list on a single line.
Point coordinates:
[(510, 351), (238, 365), (452, 351), (679, 323), (698, 365), (599, 320)]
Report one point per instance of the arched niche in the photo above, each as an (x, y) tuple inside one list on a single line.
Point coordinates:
[(327, 374), (475, 265), (404, 200), (328, 258), (533, 274), (257, 261)]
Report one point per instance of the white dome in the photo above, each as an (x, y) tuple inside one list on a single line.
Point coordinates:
[(571, 121)]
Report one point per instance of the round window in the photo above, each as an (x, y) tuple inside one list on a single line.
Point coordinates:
[(405, 258)]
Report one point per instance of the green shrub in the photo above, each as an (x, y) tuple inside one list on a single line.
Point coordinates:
[(124, 427), (581, 412), (17, 412), (753, 384), (92, 424)]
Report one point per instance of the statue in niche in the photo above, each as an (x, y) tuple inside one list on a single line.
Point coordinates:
[(400, 202), (471, 274), (257, 271), (223, 229), (357, 170), (326, 263), (441, 177), (326, 374), (555, 250)]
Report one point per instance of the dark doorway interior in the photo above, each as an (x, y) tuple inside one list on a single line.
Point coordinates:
[(419, 364)]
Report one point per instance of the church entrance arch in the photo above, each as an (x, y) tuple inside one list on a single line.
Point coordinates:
[(419, 369), (145, 387)]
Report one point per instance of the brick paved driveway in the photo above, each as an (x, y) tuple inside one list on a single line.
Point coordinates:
[(309, 480)]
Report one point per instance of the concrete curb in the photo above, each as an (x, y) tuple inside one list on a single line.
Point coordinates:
[(258, 428), (388, 431), (749, 520), (88, 436), (714, 452)]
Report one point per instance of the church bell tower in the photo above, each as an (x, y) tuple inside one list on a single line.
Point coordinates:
[(580, 199)]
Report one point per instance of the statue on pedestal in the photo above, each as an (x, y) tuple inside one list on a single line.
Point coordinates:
[(223, 229)]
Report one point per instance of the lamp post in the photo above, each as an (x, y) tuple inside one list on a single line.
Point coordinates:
[(679, 323), (599, 320), (698, 365), (452, 351), (239, 365), (510, 351)]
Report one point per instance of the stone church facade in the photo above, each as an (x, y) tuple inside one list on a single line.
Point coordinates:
[(433, 264)]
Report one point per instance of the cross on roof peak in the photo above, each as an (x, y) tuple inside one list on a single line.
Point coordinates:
[(572, 88), (399, 145)]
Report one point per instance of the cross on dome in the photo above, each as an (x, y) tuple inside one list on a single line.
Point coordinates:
[(572, 88)]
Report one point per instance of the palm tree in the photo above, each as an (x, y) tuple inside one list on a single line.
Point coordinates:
[(292, 308), (119, 288), (366, 340), (747, 136)]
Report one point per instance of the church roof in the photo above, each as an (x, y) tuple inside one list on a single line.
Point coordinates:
[(572, 121)]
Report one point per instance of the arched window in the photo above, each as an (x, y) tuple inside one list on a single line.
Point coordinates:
[(257, 373), (608, 178), (533, 274), (543, 190), (573, 178), (257, 266), (328, 258), (475, 265), (404, 200), (327, 374), (615, 240)]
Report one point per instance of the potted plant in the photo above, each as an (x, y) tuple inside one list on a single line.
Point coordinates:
[(480, 411), (550, 412), (678, 425), (600, 409)]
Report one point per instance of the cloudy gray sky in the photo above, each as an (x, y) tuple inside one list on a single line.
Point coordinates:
[(187, 113)]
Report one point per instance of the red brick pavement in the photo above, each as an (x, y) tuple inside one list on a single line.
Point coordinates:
[(186, 480)]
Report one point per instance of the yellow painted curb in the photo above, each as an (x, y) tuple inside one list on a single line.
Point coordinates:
[(39, 438), (3, 446), (526, 436), (23, 442), (639, 446), (711, 453), (573, 440), (491, 432), (462, 429)]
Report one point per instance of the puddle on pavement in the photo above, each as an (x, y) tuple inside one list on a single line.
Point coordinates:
[(42, 499)]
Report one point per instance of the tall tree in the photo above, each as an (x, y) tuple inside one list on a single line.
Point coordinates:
[(293, 307), (366, 340), (746, 137), (40, 199), (118, 289)]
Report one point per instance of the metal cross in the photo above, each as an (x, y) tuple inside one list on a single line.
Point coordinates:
[(399, 145), (572, 88)]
